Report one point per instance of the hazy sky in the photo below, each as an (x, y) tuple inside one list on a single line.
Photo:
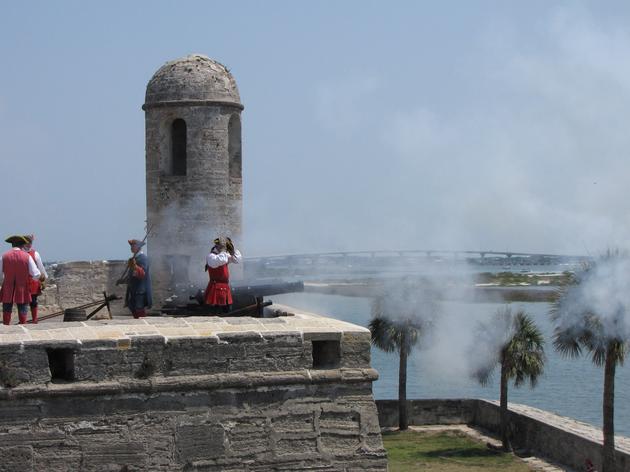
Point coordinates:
[(448, 125)]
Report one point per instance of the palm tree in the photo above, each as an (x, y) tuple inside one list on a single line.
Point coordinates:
[(591, 316), (517, 345), (399, 335), (399, 318)]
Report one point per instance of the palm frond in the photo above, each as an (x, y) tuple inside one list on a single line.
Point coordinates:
[(394, 335), (524, 352), (589, 316), (484, 374), (383, 334), (566, 343), (520, 351)]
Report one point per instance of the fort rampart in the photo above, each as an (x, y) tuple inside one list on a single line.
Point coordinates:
[(285, 393), (78, 282)]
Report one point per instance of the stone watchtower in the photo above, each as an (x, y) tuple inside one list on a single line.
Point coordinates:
[(193, 168)]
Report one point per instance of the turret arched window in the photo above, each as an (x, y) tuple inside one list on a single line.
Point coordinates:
[(234, 146), (178, 147)]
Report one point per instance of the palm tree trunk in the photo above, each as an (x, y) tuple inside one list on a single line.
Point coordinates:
[(504, 408), (608, 462), (403, 420)]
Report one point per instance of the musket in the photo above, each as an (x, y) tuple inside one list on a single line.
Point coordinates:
[(124, 275)]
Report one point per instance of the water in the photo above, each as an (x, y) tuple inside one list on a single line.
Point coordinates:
[(569, 387)]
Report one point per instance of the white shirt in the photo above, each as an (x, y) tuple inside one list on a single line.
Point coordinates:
[(33, 271), (217, 260), (40, 264)]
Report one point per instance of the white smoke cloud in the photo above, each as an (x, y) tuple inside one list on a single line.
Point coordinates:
[(183, 228), (524, 150), (486, 341), (602, 291), (455, 341)]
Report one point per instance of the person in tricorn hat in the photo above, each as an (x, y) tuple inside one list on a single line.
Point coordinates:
[(218, 292), (139, 294), (36, 286), (17, 268)]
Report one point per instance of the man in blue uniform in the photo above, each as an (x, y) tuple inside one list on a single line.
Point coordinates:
[(139, 296)]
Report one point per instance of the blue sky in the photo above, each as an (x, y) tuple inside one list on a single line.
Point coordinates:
[(454, 125)]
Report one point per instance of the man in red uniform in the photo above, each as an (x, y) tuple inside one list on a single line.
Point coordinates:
[(35, 285), (18, 268), (218, 293)]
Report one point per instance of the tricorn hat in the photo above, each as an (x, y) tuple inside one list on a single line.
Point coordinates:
[(17, 239), (136, 242), (30, 238)]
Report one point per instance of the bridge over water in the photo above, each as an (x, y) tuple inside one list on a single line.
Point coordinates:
[(400, 261)]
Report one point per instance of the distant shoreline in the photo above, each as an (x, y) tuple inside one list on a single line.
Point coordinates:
[(503, 287)]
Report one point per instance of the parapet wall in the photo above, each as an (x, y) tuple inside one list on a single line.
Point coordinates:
[(204, 393), (76, 283), (558, 438)]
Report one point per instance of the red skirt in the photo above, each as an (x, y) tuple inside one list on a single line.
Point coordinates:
[(218, 293), (10, 293), (35, 287)]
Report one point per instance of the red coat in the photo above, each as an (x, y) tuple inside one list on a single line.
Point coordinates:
[(16, 285), (34, 285), (218, 290)]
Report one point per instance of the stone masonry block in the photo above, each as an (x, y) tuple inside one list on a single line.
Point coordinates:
[(322, 335), (293, 423), (340, 443), (340, 421), (16, 459), (296, 446), (249, 436), (282, 338), (245, 337), (101, 455), (28, 365), (196, 442)]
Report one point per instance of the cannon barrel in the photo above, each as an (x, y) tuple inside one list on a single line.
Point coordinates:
[(245, 295), (265, 290)]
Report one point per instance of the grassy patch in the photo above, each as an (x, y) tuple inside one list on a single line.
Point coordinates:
[(449, 451)]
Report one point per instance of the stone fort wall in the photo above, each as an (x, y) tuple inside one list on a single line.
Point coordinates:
[(76, 283), (287, 393), (194, 175), (563, 440), (185, 213)]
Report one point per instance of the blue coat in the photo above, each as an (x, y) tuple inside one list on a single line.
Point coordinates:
[(139, 294)]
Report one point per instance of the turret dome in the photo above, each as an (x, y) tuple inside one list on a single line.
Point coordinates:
[(194, 78)]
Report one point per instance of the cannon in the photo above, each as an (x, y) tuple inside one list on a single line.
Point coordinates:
[(248, 300), (78, 313)]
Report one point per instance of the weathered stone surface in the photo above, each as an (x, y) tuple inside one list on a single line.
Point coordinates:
[(76, 283), (355, 350), (222, 400), (188, 208), (293, 423), (194, 442), (16, 458), (192, 78), (129, 431), (430, 411)]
